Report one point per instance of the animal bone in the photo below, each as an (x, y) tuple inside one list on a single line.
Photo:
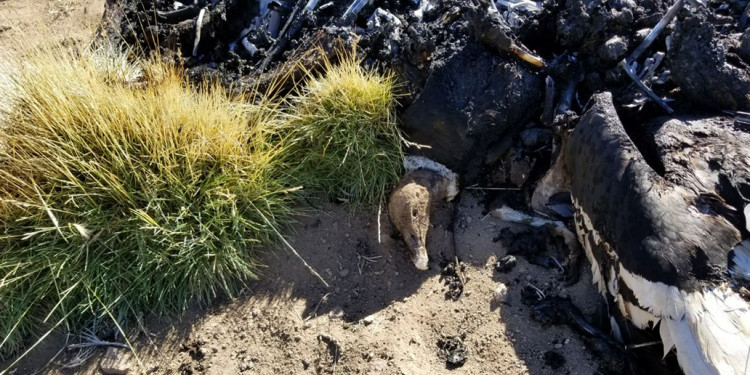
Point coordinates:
[(425, 183)]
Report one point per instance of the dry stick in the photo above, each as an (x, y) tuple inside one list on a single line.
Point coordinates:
[(273, 228), (651, 94), (635, 346), (380, 207), (459, 273), (315, 311), (651, 37), (627, 64), (292, 25), (198, 26), (316, 274)]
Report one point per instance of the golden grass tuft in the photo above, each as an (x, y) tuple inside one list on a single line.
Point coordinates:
[(345, 134), (124, 189)]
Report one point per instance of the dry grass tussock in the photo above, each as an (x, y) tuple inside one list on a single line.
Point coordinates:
[(125, 189), (344, 132)]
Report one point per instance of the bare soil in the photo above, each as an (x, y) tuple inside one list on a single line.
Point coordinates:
[(379, 315), (29, 23)]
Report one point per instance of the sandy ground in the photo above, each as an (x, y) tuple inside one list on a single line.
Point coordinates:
[(33, 22), (379, 315)]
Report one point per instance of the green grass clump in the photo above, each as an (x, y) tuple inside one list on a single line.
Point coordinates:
[(124, 189), (346, 140)]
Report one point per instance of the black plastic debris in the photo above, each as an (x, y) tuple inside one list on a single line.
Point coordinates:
[(505, 264), (453, 351), (453, 276)]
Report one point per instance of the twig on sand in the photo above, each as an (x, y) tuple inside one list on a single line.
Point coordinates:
[(362, 260), (315, 310), (287, 244), (312, 270), (380, 211), (459, 273)]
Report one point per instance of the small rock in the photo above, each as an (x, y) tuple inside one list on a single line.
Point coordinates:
[(501, 293), (641, 34), (337, 290), (344, 272), (558, 346), (614, 49), (368, 319), (115, 362), (336, 313), (506, 263)]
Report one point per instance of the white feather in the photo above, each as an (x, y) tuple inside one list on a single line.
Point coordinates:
[(413, 163), (708, 328)]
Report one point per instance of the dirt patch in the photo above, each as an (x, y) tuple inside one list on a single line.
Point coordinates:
[(380, 315), (29, 23)]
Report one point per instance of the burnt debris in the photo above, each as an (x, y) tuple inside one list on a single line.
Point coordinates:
[(491, 90)]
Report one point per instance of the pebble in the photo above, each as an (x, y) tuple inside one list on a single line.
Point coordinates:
[(116, 361), (614, 49), (558, 346), (336, 313), (344, 272), (501, 293), (368, 319)]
